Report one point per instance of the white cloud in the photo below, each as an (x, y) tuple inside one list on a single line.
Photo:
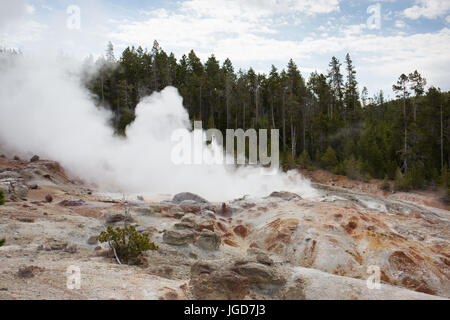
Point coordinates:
[(28, 31), (253, 10), (353, 29), (447, 19), (247, 33), (400, 24), (430, 9)]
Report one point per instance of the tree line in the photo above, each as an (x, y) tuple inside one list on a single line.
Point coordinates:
[(324, 121)]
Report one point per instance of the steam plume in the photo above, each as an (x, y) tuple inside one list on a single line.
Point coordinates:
[(45, 110)]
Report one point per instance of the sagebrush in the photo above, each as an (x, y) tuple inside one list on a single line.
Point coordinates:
[(127, 244)]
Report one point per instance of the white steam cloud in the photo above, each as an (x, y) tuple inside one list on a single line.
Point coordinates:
[(45, 110)]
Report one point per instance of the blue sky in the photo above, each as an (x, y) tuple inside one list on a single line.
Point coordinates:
[(385, 38)]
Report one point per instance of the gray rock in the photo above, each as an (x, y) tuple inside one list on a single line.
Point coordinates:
[(209, 282), (208, 213), (184, 225), (208, 240), (190, 206), (178, 198), (223, 285), (264, 259), (34, 158), (178, 237), (285, 195), (92, 240), (118, 217), (259, 274), (13, 185)]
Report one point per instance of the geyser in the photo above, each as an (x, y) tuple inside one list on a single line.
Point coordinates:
[(45, 110)]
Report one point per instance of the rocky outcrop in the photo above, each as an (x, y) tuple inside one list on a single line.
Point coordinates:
[(233, 280), (178, 237), (180, 197), (114, 218), (259, 274), (208, 240), (13, 185), (208, 281), (287, 196)]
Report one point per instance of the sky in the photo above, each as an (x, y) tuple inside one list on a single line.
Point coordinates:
[(385, 38)]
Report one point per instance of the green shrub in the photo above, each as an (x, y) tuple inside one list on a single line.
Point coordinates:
[(329, 159), (127, 244), (402, 182), (2, 197), (289, 161), (416, 177), (2, 242), (304, 161), (352, 168)]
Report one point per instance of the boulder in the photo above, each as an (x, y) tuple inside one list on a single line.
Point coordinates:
[(34, 158), (208, 240), (264, 259), (184, 225), (92, 240), (224, 285), (190, 206), (198, 223), (180, 197), (13, 185), (178, 237), (259, 274), (118, 217), (209, 282), (285, 195)]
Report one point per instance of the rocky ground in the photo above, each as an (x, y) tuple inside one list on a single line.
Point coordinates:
[(278, 247)]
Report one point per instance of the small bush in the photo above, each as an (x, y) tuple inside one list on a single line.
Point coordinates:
[(127, 243), (352, 168), (416, 177), (304, 161), (329, 159), (2, 242), (2, 197), (289, 161), (402, 182)]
